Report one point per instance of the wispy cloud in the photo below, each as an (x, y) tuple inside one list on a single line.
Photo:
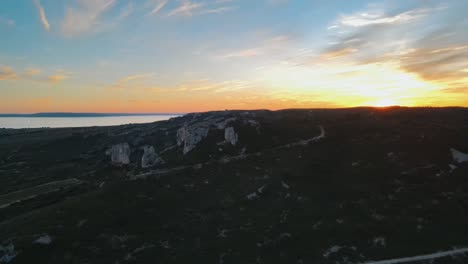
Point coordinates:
[(218, 10), (34, 75), (7, 21), (58, 77), (135, 77), (7, 73), (264, 45), (186, 8), (189, 8), (85, 16), (437, 54), (42, 14), (33, 72), (379, 17), (132, 81), (158, 5), (207, 85), (246, 53), (126, 11)]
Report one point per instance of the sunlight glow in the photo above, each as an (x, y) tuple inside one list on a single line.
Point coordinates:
[(384, 103)]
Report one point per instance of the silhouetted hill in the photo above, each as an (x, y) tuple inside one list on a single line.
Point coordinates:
[(290, 186), (64, 114)]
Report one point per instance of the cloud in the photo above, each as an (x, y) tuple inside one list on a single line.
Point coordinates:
[(264, 45), (218, 10), (246, 53), (135, 77), (379, 17), (207, 85), (85, 16), (186, 8), (7, 21), (42, 14), (33, 75), (132, 81), (33, 72), (126, 11), (57, 78), (7, 73), (159, 4), (429, 42)]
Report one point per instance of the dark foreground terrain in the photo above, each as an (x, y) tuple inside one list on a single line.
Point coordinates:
[(293, 186)]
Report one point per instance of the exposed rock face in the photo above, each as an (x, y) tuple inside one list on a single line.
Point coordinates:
[(197, 129), (120, 154), (231, 136), (458, 156), (190, 136), (223, 124), (150, 158), (44, 240)]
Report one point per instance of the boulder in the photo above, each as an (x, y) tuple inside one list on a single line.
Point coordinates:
[(120, 154), (190, 136), (459, 156), (150, 158), (231, 136)]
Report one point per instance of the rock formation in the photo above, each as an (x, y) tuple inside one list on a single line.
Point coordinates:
[(231, 136), (190, 136), (120, 154), (459, 156), (150, 158)]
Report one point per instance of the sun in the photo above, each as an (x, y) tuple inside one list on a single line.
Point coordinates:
[(385, 102)]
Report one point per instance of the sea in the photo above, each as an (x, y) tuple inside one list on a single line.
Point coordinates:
[(78, 121)]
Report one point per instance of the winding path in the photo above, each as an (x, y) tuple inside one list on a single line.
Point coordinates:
[(229, 159), (422, 257)]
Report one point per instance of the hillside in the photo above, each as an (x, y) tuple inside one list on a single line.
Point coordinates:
[(292, 186)]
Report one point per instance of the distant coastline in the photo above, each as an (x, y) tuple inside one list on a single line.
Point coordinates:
[(66, 114)]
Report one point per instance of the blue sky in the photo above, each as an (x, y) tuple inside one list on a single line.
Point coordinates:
[(187, 55)]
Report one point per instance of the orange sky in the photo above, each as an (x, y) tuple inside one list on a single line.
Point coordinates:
[(190, 56)]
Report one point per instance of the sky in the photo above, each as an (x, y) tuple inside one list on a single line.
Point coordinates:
[(198, 55)]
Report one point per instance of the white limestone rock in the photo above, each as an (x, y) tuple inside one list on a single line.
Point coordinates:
[(190, 136), (120, 154), (150, 158), (231, 136), (223, 124), (43, 240), (458, 156)]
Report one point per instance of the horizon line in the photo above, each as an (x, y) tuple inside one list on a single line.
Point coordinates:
[(183, 113)]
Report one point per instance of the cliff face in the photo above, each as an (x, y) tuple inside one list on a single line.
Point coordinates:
[(292, 186)]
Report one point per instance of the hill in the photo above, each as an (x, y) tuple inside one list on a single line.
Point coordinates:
[(292, 186)]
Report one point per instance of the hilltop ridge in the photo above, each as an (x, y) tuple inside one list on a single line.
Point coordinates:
[(289, 186)]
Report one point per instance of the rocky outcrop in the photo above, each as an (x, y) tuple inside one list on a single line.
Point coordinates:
[(459, 156), (190, 136), (195, 130), (150, 158), (224, 123), (119, 154), (231, 136), (44, 240)]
